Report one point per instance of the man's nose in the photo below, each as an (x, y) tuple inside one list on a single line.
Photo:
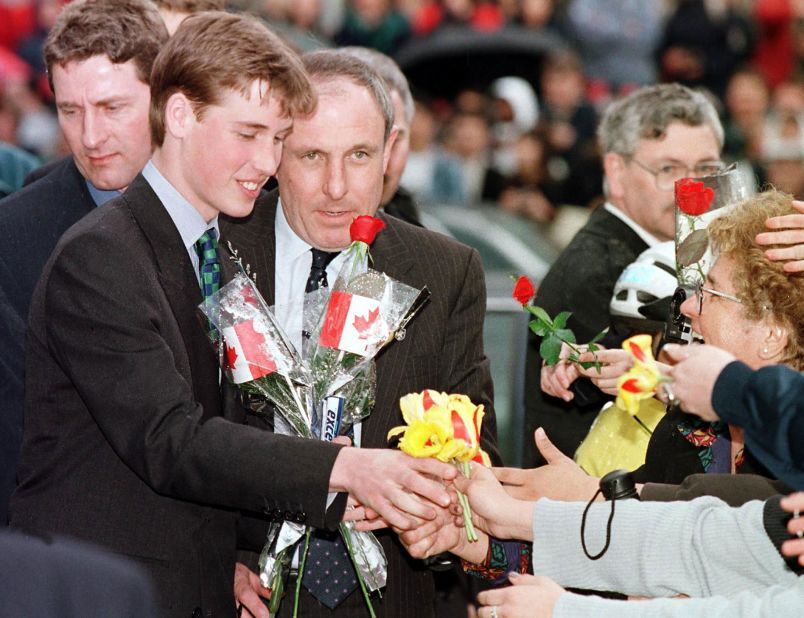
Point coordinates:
[(335, 185), (94, 131)]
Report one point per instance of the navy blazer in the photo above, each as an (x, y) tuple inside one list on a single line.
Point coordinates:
[(31, 222)]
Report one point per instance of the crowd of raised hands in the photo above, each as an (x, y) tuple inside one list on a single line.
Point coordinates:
[(505, 501)]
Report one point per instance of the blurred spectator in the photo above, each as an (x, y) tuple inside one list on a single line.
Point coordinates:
[(17, 21), (774, 48), (30, 48), (176, 11), (524, 191), (468, 137), (616, 40), (431, 175), (783, 139), (374, 23), (747, 102), (515, 112), (536, 14), (569, 122), (480, 15), (15, 164), (704, 42), (299, 22)]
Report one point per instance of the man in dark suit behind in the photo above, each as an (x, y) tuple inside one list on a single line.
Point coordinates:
[(651, 138), (99, 56), (128, 442), (331, 172)]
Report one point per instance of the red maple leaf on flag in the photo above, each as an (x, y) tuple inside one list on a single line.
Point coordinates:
[(231, 356), (363, 325)]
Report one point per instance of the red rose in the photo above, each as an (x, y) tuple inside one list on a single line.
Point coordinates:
[(693, 197), (364, 228), (524, 290)]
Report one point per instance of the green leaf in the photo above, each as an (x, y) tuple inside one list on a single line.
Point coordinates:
[(538, 327), (590, 364), (540, 313), (560, 321), (550, 349), (692, 248), (565, 334)]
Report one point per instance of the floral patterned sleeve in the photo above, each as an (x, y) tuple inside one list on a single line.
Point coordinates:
[(502, 558)]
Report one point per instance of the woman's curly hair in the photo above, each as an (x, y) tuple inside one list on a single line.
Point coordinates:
[(761, 284)]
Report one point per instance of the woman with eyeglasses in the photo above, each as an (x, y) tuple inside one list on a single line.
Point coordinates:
[(749, 306)]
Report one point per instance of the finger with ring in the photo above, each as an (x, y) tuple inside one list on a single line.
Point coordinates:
[(493, 613)]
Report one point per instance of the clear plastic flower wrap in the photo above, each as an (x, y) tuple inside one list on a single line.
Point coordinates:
[(320, 391)]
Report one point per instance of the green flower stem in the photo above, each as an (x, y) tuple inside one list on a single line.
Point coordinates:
[(471, 534), (300, 576), (348, 540)]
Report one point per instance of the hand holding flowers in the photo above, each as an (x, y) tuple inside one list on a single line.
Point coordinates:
[(446, 427)]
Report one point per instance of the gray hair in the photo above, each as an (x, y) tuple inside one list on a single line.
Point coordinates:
[(389, 70), (334, 63), (647, 112)]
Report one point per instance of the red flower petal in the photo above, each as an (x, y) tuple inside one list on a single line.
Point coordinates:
[(693, 197), (459, 430), (523, 290), (638, 353), (632, 386), (427, 401), (364, 228)]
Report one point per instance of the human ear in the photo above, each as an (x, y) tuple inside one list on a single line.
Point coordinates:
[(774, 342), (178, 113), (614, 166)]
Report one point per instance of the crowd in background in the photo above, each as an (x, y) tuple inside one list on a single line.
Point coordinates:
[(526, 147)]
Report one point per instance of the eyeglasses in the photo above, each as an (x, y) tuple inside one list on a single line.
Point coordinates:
[(666, 176), (699, 290)]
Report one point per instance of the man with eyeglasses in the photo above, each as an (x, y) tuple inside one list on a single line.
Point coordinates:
[(650, 139)]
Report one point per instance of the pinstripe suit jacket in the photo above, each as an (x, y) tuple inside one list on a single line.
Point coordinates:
[(443, 350)]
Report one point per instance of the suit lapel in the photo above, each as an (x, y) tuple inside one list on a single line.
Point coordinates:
[(391, 256), (181, 288), (253, 239)]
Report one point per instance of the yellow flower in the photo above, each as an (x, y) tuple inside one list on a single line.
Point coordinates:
[(640, 381)]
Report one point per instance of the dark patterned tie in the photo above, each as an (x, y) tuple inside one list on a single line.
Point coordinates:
[(328, 571), (208, 265), (318, 270)]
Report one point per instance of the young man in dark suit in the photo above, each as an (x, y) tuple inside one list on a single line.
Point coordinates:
[(128, 441), (98, 56), (332, 171)]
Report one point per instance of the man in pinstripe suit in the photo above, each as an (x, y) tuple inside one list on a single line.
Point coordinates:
[(331, 171)]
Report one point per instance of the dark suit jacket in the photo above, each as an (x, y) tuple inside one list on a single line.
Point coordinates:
[(61, 578), (126, 442), (31, 221), (581, 280), (443, 350)]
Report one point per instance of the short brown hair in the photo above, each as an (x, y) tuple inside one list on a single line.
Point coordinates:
[(761, 284), (121, 30), (214, 51), (190, 6), (328, 64)]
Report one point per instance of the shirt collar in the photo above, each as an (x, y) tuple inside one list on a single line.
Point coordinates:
[(292, 245), (640, 231), (101, 196), (186, 218)]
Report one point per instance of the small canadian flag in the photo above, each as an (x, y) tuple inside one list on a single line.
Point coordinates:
[(247, 353), (353, 323)]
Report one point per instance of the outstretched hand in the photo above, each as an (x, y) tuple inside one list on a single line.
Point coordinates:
[(694, 374), (786, 230), (560, 479), (530, 596), (388, 482), (794, 503)]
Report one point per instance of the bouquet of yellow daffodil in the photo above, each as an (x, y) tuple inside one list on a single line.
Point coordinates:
[(641, 381), (446, 427)]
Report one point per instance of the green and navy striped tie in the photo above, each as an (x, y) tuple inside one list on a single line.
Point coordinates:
[(208, 265)]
